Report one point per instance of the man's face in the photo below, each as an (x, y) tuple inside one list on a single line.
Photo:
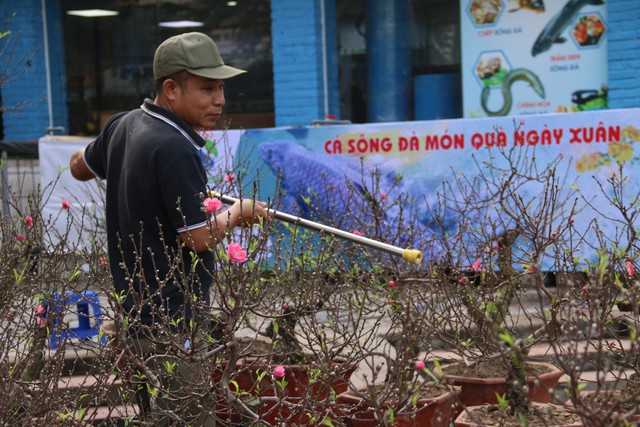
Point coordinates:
[(199, 101)]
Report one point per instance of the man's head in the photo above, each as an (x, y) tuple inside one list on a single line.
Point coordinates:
[(189, 75), (192, 52)]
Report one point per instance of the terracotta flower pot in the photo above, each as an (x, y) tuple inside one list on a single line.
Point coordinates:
[(477, 391), (299, 388), (589, 398), (245, 375), (429, 412), (471, 417)]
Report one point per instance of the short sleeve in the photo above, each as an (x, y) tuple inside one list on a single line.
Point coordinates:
[(183, 186), (94, 158), (95, 154)]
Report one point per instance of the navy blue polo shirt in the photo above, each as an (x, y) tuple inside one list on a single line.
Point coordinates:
[(155, 185)]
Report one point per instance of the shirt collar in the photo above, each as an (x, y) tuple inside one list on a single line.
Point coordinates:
[(174, 121)]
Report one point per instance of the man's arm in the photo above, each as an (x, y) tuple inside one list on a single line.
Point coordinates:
[(243, 212), (78, 167)]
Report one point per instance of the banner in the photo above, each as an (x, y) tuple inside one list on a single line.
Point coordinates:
[(533, 56), (313, 165), (326, 170)]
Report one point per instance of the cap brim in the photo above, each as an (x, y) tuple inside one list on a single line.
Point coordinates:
[(218, 73)]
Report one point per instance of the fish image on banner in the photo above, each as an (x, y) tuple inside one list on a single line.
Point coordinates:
[(552, 32), (325, 188)]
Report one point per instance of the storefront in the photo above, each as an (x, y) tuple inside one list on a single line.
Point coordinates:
[(103, 62)]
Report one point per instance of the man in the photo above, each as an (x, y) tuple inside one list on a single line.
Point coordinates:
[(156, 184)]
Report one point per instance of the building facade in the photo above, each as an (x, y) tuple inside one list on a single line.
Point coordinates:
[(308, 61)]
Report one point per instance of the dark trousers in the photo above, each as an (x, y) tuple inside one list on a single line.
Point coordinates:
[(172, 388)]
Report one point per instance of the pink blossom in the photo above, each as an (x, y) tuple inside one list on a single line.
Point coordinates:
[(357, 233), (20, 237), (463, 280), (39, 312), (476, 265), (230, 177), (496, 247), (383, 196), (279, 371), (630, 270), (236, 253), (554, 234), (28, 221), (39, 309), (584, 289), (66, 205), (419, 365), (392, 284), (211, 205), (103, 263)]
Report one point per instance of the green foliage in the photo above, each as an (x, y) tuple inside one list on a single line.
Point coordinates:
[(503, 402)]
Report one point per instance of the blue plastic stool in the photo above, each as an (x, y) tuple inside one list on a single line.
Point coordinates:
[(88, 305)]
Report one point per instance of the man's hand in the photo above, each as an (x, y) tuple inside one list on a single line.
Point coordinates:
[(251, 211)]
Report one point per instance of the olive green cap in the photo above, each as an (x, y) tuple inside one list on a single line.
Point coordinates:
[(192, 52)]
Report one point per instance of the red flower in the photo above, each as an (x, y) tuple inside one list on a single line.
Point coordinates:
[(357, 233), (211, 205), (476, 265), (419, 365), (20, 237), (66, 205), (392, 284), (39, 309), (28, 221), (236, 253), (230, 177), (630, 270), (279, 371), (39, 312)]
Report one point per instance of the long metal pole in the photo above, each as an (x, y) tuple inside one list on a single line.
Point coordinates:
[(47, 62), (5, 187), (413, 256)]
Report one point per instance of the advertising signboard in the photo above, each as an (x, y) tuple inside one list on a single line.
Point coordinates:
[(533, 56)]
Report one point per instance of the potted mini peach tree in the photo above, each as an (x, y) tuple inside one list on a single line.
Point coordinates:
[(513, 216)]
